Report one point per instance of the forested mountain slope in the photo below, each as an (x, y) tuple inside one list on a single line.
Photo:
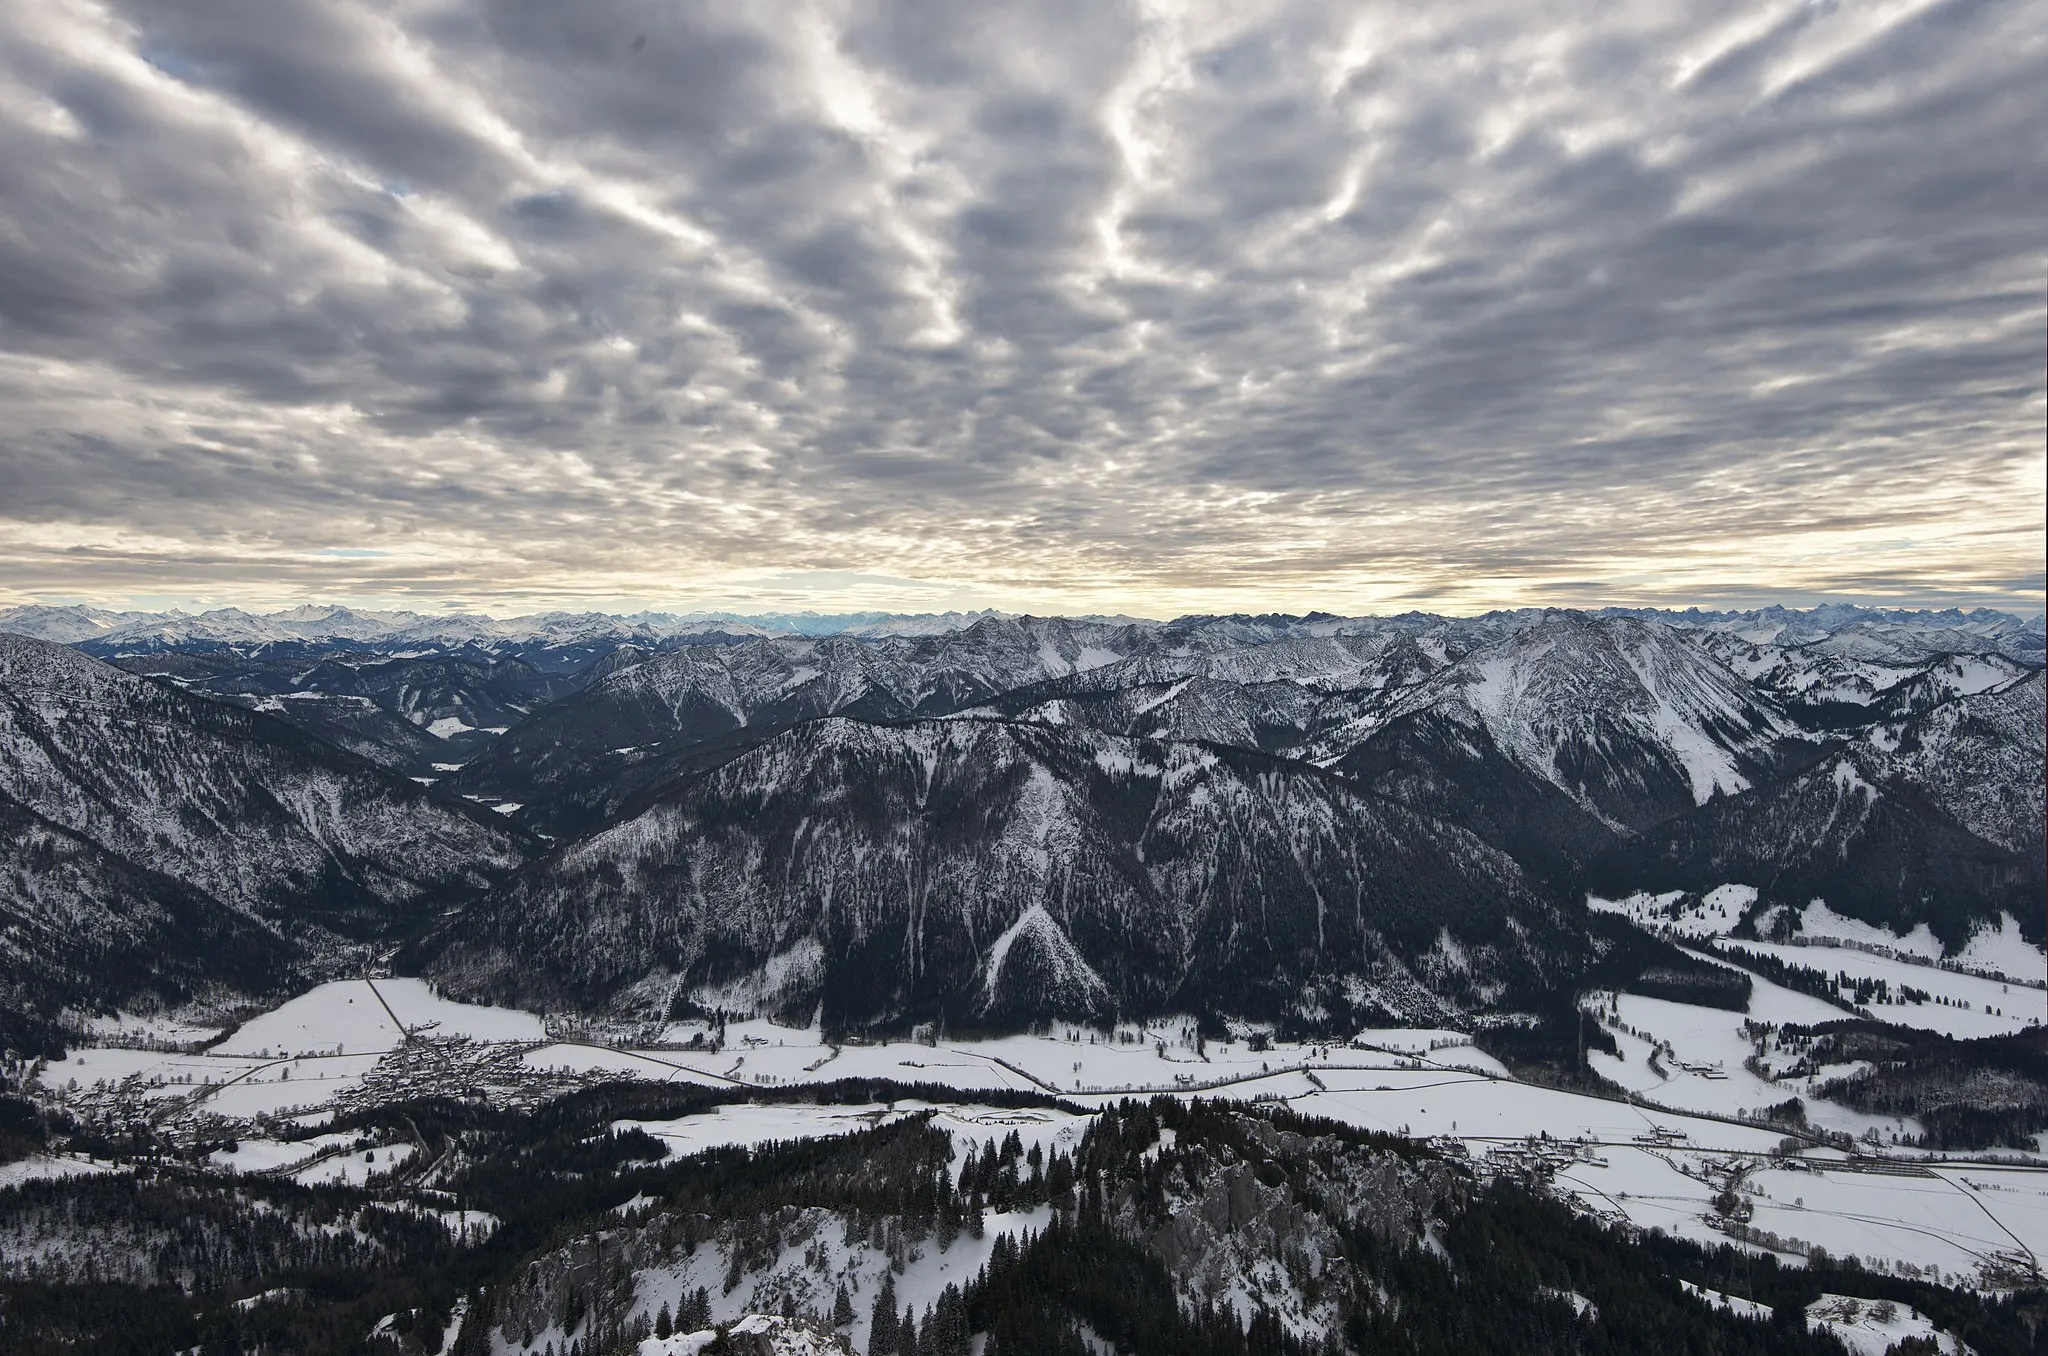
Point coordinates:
[(977, 870), (152, 829)]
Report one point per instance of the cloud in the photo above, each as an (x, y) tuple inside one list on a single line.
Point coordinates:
[(1063, 306)]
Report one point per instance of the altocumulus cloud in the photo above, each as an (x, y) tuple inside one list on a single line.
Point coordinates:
[(1063, 305)]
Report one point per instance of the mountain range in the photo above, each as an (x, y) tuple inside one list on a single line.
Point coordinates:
[(161, 845), (986, 819)]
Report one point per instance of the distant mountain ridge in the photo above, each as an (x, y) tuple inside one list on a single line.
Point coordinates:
[(136, 632), (118, 632)]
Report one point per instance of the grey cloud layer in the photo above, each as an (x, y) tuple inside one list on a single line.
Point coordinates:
[(631, 298)]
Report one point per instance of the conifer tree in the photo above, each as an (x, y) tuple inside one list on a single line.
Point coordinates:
[(882, 1332), (842, 1308), (946, 1330)]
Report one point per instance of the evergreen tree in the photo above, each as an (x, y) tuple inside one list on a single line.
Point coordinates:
[(842, 1308), (733, 1272), (1004, 1195), (906, 1333), (946, 1330), (882, 1331), (663, 1324), (1059, 1182)]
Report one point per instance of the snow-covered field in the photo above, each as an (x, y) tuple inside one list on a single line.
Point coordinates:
[(270, 1155), (2005, 952), (1819, 924), (1704, 1069), (572, 1058), (1960, 1005), (1825, 937), (1712, 915), (320, 1160), (751, 1124), (46, 1167), (356, 1166), (424, 1013), (356, 1016), (123, 1028), (2000, 951), (1872, 1329), (1659, 1166), (1932, 1221)]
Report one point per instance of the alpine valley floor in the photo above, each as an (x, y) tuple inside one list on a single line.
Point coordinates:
[(1693, 1130)]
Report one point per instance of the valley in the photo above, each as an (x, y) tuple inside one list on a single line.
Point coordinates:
[(1657, 1156), (507, 986)]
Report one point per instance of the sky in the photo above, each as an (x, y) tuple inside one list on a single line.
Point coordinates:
[(1047, 306)]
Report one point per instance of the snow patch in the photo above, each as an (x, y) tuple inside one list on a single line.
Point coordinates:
[(1073, 978), (1734, 1304), (1874, 1327), (1819, 923), (750, 1124), (48, 1167), (355, 1167), (2003, 951), (1581, 1306), (125, 1027), (788, 975), (270, 1155), (1714, 914)]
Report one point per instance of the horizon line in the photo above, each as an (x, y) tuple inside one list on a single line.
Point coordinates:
[(884, 614)]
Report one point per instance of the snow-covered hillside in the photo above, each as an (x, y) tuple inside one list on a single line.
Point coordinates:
[(1625, 716)]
